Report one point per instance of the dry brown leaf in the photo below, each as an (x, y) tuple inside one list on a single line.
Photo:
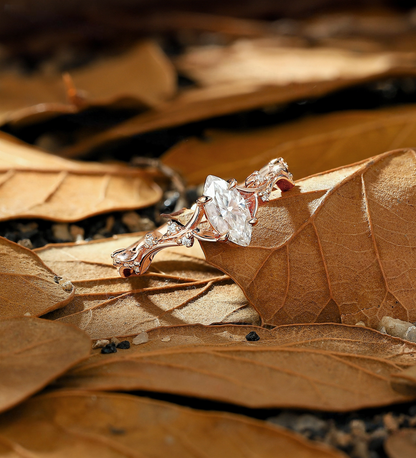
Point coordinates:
[(239, 78), (28, 287), (142, 77), (108, 308), (408, 375), (340, 246), (92, 260), (181, 288), (401, 444), (360, 30), (33, 353), (309, 146), (39, 185), (262, 62), (116, 425), (325, 367)]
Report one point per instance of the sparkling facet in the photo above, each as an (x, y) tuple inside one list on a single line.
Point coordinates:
[(227, 211), (172, 228), (187, 241), (149, 240)]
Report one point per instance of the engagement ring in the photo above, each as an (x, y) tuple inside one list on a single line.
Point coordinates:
[(225, 212)]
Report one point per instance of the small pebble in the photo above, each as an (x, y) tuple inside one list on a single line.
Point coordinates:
[(412, 411), (48, 142), (252, 336), (114, 340), (360, 323), (109, 348), (166, 339), (77, 233), (141, 338), (135, 223), (357, 428), (132, 220), (117, 431), (100, 343), (29, 227), (377, 439), (61, 232), (98, 237), (66, 285), (398, 328), (124, 345), (27, 243), (109, 223), (390, 422), (28, 314), (311, 424)]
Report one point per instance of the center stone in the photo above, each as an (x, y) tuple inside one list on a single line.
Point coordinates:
[(227, 211)]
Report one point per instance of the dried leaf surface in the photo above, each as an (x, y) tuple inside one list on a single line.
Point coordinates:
[(381, 30), (401, 444), (328, 141), (180, 288), (116, 425), (39, 185), (326, 367), (261, 62), (142, 77), (107, 308), (92, 260), (408, 375), (33, 353), (239, 78), (338, 247), (27, 286)]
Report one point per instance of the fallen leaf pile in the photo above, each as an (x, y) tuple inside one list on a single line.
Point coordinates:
[(218, 363), (218, 349), (121, 425)]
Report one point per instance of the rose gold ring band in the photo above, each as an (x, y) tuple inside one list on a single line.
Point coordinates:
[(225, 212)]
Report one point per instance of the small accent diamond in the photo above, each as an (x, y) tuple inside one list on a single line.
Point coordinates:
[(173, 228), (149, 240), (187, 240)]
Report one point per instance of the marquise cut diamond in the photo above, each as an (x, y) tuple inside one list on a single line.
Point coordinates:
[(227, 211)]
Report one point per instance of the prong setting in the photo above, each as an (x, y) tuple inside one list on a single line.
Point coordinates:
[(232, 183), (203, 200)]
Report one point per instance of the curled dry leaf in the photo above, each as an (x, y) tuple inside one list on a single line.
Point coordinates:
[(117, 425), (28, 287), (401, 444), (142, 77), (325, 367), (239, 78), (338, 247), (180, 288), (33, 353), (252, 63), (328, 141), (39, 185)]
